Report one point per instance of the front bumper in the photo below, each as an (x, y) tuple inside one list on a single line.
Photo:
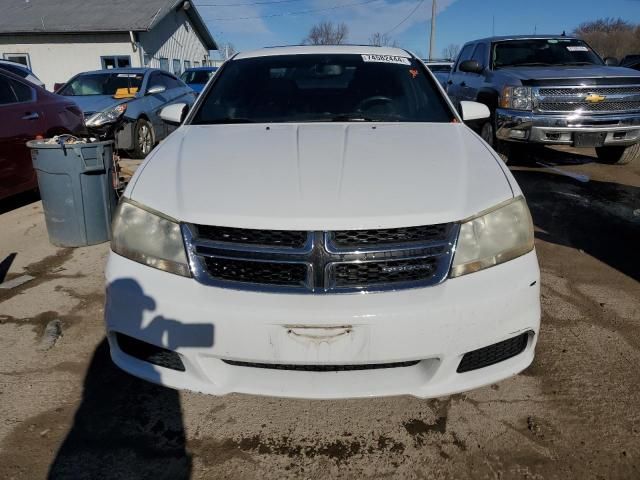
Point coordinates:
[(559, 129), (435, 325)]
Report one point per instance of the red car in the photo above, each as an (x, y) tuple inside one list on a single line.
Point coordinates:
[(27, 112)]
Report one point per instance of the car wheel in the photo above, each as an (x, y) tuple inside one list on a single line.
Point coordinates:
[(618, 155), (144, 138), (487, 132)]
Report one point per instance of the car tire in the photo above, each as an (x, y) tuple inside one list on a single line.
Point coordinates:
[(618, 155), (144, 138)]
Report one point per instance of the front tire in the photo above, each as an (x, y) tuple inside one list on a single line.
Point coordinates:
[(144, 138), (618, 155)]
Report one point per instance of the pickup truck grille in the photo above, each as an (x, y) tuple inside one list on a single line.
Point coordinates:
[(320, 262), (621, 99)]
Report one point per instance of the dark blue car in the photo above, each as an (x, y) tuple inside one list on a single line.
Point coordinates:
[(197, 77), (138, 94)]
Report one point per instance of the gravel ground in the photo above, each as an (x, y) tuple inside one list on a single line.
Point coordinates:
[(67, 412)]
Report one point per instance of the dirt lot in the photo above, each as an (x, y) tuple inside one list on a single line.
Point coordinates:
[(67, 412)]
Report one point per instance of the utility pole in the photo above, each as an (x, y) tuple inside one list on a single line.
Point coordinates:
[(493, 27), (433, 29)]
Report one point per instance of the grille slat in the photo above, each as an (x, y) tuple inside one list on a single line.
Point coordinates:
[(322, 368), (376, 273), (321, 262), (246, 236), (368, 238), (266, 273)]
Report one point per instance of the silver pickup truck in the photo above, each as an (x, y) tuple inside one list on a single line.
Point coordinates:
[(550, 90)]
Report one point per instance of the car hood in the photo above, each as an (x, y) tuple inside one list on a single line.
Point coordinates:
[(322, 176), (196, 87), (599, 73), (95, 103)]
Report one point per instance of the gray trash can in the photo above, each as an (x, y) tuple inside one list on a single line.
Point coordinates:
[(76, 187)]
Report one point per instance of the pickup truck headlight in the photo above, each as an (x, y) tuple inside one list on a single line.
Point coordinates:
[(517, 98), (493, 237), (108, 116), (148, 237)]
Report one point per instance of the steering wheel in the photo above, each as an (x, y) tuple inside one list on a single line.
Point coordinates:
[(371, 101)]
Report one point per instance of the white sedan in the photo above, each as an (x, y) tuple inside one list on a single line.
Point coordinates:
[(323, 225)]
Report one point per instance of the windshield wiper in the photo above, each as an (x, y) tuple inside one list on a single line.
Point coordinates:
[(218, 121), (529, 64), (353, 117)]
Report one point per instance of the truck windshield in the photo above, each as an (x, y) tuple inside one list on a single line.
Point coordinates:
[(102, 84), (323, 88), (543, 52)]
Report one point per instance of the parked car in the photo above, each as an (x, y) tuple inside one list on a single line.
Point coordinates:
[(137, 94), (348, 236), (27, 112), (550, 90), (440, 69), (197, 77), (20, 70)]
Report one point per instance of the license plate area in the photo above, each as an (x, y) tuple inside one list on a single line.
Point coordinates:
[(589, 139)]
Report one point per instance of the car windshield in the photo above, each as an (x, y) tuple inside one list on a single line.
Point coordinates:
[(103, 84), (196, 76), (323, 88), (543, 52)]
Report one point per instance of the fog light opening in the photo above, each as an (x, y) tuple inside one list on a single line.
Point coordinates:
[(149, 353)]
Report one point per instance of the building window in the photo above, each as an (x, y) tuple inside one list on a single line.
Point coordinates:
[(177, 67), (196, 64), (187, 64), (117, 61), (22, 58), (164, 64), (146, 59)]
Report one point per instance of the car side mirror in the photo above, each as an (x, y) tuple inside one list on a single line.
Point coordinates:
[(471, 66), (474, 111), (156, 89), (174, 114), (611, 61)]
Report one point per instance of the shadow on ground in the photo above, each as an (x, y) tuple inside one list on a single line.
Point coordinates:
[(600, 218), (127, 428)]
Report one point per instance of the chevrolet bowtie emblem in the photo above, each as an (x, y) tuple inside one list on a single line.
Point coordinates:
[(595, 98)]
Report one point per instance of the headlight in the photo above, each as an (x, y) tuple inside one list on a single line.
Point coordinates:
[(517, 98), (493, 237), (149, 237), (108, 116)]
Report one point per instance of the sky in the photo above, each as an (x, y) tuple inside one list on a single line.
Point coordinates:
[(250, 24)]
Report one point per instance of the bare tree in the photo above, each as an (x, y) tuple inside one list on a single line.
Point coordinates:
[(382, 40), (327, 33), (451, 51), (610, 37)]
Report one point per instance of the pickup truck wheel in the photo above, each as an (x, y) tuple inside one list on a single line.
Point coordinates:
[(618, 155), (143, 138)]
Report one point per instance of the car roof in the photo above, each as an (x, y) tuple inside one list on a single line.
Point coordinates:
[(523, 37), (320, 49), (201, 69), (15, 64), (122, 70)]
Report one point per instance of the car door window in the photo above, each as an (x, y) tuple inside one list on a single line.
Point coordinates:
[(480, 54), (170, 82), (155, 80), (14, 92), (465, 54)]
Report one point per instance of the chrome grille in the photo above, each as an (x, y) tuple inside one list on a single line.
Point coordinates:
[(320, 262), (589, 107), (615, 99)]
